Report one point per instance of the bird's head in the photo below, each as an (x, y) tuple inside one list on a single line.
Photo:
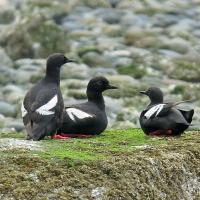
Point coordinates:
[(99, 84), (56, 60), (155, 94)]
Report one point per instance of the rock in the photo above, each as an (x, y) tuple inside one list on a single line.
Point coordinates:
[(96, 4), (165, 20), (136, 71), (176, 44), (17, 125), (128, 87), (7, 15), (113, 30), (6, 75), (142, 37), (112, 16), (77, 71), (7, 109), (98, 192), (30, 64), (94, 59), (5, 60), (184, 70), (13, 94), (123, 125), (30, 38), (77, 93)]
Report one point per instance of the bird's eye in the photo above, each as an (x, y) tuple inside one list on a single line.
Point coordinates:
[(99, 83)]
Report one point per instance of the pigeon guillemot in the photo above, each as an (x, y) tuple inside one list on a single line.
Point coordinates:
[(89, 118), (163, 119), (42, 108)]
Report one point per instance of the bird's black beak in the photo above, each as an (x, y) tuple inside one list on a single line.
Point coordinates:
[(69, 60), (111, 87), (143, 92)]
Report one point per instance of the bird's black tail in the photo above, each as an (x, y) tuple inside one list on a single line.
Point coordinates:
[(187, 115)]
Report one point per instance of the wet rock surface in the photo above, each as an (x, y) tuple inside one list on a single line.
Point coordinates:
[(136, 44)]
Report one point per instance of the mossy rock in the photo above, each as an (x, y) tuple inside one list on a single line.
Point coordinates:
[(96, 4), (132, 70), (178, 89), (126, 87), (84, 50), (185, 70), (33, 39), (7, 16), (141, 37), (53, 9), (77, 94)]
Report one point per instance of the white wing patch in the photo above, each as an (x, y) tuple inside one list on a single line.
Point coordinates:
[(23, 110), (45, 109), (155, 109), (74, 112)]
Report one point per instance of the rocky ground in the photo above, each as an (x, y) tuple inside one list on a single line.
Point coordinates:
[(101, 168), (134, 44)]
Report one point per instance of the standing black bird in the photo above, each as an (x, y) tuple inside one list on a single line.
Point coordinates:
[(163, 118), (87, 118), (43, 105)]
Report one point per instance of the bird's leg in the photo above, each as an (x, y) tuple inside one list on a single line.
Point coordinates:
[(155, 133), (59, 137), (169, 132), (76, 135)]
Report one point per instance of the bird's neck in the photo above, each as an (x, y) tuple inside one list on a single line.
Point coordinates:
[(155, 102), (53, 75), (96, 98)]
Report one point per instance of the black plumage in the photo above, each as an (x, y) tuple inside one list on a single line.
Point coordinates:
[(42, 108), (88, 118), (161, 118)]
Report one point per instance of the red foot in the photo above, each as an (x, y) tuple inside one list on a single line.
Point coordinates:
[(162, 133), (59, 137), (157, 133), (76, 135)]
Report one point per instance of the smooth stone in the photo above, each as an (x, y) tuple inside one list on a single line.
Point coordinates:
[(123, 125), (77, 71), (17, 125), (5, 59), (177, 44), (77, 93), (7, 15), (27, 63), (7, 109), (11, 88), (94, 59), (165, 20), (169, 53), (112, 17), (6, 75)]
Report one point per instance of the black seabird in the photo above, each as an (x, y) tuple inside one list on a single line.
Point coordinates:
[(89, 118), (163, 119), (42, 108)]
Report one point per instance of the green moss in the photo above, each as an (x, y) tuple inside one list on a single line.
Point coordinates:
[(35, 78), (17, 135), (132, 70), (165, 167), (179, 89), (112, 142), (87, 49), (186, 70)]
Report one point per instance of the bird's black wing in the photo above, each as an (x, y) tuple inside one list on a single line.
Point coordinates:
[(43, 111)]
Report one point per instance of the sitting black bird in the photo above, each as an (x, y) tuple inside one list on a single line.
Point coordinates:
[(163, 119), (86, 119), (42, 108)]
